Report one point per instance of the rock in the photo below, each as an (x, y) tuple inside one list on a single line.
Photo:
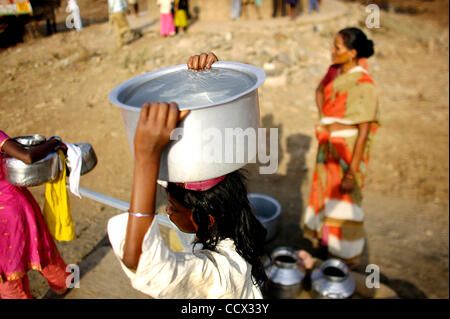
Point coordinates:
[(280, 80), (69, 60), (284, 58), (40, 105), (228, 36)]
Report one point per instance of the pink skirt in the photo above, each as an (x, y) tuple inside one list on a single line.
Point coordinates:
[(25, 242), (166, 24)]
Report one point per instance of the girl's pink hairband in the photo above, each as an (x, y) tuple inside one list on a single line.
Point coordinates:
[(202, 185)]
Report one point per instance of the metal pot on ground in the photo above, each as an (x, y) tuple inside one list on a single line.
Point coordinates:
[(267, 209), (284, 276), (332, 280)]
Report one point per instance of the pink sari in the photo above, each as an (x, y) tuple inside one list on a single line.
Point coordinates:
[(167, 26), (25, 242)]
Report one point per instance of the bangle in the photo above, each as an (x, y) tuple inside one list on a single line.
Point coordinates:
[(55, 137), (141, 215)]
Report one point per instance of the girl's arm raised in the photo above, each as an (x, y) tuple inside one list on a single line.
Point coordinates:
[(155, 125)]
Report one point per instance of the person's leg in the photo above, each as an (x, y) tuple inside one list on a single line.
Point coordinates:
[(316, 5), (292, 11), (258, 12), (235, 9), (115, 20), (283, 8), (244, 10), (16, 289), (124, 30)]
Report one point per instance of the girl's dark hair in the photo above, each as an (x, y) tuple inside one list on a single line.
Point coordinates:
[(356, 39), (227, 202)]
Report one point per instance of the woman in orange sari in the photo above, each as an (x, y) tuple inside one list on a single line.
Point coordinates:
[(348, 107)]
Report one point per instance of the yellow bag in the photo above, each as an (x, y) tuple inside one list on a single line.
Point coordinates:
[(57, 213)]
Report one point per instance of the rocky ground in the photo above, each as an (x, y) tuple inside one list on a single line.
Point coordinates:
[(58, 85)]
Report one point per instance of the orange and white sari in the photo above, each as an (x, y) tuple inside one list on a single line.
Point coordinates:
[(336, 219)]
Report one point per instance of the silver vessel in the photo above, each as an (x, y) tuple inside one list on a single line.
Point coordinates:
[(18, 173), (45, 170), (221, 99), (332, 280), (284, 276)]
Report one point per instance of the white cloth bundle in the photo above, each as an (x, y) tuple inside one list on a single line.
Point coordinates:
[(75, 161)]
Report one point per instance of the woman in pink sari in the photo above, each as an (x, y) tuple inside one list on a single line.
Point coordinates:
[(25, 242), (167, 26)]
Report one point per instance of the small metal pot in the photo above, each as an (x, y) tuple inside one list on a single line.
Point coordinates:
[(18, 173), (267, 209), (222, 98), (30, 140), (332, 280), (284, 276), (88, 158)]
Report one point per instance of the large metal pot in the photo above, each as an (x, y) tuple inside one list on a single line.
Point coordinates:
[(18, 173), (284, 276), (267, 209), (220, 100), (332, 280)]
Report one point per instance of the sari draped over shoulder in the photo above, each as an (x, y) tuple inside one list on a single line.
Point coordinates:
[(335, 218)]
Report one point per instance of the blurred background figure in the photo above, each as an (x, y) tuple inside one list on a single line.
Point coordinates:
[(181, 15), (134, 7), (278, 5), (117, 16), (292, 8), (167, 27), (246, 3), (235, 9), (313, 5)]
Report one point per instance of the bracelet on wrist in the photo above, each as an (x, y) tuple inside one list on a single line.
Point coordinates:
[(55, 137), (141, 215)]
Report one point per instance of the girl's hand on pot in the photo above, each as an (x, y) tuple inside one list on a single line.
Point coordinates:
[(201, 62), (156, 123)]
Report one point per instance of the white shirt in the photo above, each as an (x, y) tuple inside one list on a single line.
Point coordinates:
[(165, 6), (117, 5), (163, 273)]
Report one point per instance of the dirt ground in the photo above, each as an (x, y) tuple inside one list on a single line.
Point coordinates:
[(59, 85)]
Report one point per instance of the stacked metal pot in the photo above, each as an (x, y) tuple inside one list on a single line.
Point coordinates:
[(45, 170)]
